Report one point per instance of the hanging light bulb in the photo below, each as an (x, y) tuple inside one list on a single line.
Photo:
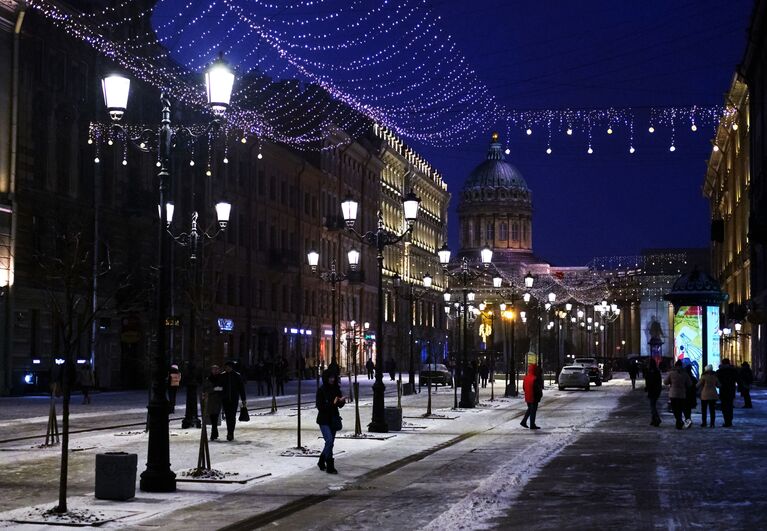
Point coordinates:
[(507, 151), (693, 128), (157, 164), (260, 156), (243, 140), (651, 129), (191, 163), (125, 162), (208, 172), (672, 148), (109, 142), (226, 160), (142, 145), (548, 151), (734, 126), (609, 130), (90, 141), (590, 151), (96, 160), (569, 131), (716, 148), (529, 131), (631, 149)]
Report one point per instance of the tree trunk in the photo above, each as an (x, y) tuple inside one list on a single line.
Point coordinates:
[(67, 392)]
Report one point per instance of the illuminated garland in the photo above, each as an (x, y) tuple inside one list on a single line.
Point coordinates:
[(416, 83)]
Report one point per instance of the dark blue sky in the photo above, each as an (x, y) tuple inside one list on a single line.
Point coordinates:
[(601, 53), (541, 55)]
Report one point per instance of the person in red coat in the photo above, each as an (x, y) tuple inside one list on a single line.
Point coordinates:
[(533, 386)]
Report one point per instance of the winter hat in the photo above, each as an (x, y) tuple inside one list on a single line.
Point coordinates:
[(709, 368), (174, 366)]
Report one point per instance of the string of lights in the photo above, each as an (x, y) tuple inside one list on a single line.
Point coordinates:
[(416, 83)]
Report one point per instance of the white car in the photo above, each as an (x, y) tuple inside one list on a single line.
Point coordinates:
[(574, 376)]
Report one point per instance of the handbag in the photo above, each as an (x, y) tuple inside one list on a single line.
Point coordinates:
[(244, 416), (336, 424)]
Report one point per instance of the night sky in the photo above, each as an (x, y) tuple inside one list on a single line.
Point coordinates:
[(600, 54), (585, 54)]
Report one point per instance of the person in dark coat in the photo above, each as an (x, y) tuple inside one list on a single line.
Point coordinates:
[(391, 368), (533, 386), (633, 374), (370, 366), (174, 381), (691, 401), (484, 372), (728, 381), (329, 400), (745, 382), (232, 392), (679, 383), (212, 389), (653, 387)]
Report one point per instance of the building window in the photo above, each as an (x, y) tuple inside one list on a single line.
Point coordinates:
[(490, 232), (504, 232), (515, 232), (477, 233)]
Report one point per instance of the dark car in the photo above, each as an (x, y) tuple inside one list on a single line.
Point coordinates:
[(591, 365), (436, 374)]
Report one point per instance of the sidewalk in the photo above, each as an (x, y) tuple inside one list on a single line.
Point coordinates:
[(628, 475)]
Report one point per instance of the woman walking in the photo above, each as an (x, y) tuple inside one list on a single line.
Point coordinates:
[(533, 386), (653, 386), (329, 400), (211, 394), (708, 395)]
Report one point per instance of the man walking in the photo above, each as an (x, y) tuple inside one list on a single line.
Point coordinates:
[(728, 381), (745, 381), (370, 366), (232, 391), (633, 369)]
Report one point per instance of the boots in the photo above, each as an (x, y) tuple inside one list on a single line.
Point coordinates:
[(331, 467), (321, 462)]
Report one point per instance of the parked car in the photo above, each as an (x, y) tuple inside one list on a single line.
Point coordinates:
[(436, 374), (574, 376), (592, 366)]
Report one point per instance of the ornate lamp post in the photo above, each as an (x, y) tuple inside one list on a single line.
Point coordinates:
[(219, 81), (465, 274), (333, 277), (412, 293), (380, 239), (194, 240)]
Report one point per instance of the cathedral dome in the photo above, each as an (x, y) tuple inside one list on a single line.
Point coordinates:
[(495, 172)]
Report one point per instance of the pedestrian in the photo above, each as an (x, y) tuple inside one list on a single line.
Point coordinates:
[(260, 374), (329, 400), (370, 366), (85, 380), (679, 382), (281, 375), (392, 368), (174, 381), (302, 367), (633, 374), (232, 392), (484, 372), (728, 380), (269, 376), (708, 396), (533, 386), (212, 388), (745, 380), (653, 386), (691, 401)]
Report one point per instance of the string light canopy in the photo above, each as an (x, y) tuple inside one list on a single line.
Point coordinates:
[(308, 67)]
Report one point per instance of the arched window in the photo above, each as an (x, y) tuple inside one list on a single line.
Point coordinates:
[(504, 232), (490, 232), (515, 231)]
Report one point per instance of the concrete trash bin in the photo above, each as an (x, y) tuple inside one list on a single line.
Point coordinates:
[(116, 476), (393, 416)]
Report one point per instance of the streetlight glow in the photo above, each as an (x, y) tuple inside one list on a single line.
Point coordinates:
[(444, 254), (353, 255), (349, 210), (223, 210), (116, 89), (219, 80)]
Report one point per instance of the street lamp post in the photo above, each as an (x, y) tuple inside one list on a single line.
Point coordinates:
[(380, 239), (194, 240), (413, 294), (465, 275), (219, 81), (332, 277)]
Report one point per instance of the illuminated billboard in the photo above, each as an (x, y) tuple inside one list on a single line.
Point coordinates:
[(688, 336), (712, 336)]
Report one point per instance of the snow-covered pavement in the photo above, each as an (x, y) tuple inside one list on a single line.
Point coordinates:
[(472, 469)]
